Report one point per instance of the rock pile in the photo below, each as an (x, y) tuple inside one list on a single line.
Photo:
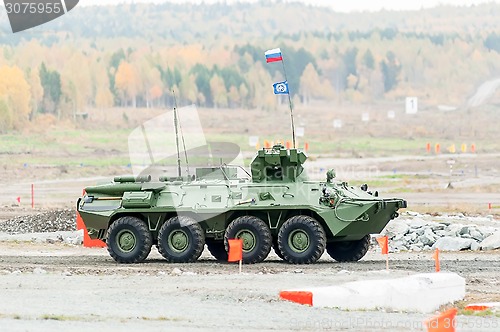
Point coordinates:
[(50, 221), (416, 232)]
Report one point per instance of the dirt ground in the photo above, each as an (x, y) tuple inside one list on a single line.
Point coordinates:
[(58, 287), (47, 287), (422, 180)]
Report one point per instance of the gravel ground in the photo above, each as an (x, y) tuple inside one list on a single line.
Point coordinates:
[(48, 221), (53, 285), (63, 287)]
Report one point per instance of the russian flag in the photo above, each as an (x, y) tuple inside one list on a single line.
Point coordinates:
[(273, 55)]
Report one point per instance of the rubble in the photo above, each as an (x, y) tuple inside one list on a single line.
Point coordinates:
[(50, 221), (416, 232)]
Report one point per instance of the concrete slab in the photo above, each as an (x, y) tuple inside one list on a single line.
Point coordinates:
[(423, 293)]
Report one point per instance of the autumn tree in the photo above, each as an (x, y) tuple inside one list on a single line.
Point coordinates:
[(15, 96), (52, 90), (114, 62), (103, 96), (127, 83), (188, 90), (36, 90), (350, 67), (390, 68), (310, 84), (6, 116), (77, 83), (202, 80), (218, 91)]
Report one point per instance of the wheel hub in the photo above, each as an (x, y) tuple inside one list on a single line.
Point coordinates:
[(178, 240), (248, 239), (298, 240), (126, 240)]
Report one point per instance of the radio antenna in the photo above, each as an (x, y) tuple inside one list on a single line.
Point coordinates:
[(178, 127), (177, 137)]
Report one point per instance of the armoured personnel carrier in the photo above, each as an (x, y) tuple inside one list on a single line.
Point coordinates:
[(272, 206)]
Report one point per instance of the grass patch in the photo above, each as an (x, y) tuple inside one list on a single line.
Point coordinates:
[(60, 318), (482, 313), (162, 318), (84, 141)]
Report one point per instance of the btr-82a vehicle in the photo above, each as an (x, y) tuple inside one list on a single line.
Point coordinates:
[(273, 206)]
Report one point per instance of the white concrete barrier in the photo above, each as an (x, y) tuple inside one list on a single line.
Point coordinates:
[(423, 293)]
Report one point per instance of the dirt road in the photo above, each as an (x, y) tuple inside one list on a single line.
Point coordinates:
[(48, 287), (475, 181)]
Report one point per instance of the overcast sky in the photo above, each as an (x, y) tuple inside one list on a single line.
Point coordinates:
[(337, 5)]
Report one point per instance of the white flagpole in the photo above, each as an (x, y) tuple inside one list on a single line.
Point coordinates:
[(289, 100)]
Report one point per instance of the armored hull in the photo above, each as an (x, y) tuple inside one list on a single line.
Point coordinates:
[(273, 206)]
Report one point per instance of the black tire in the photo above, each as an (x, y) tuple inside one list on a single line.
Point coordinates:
[(256, 236), (181, 240), (218, 250), (301, 240), (129, 240), (349, 251), (276, 248)]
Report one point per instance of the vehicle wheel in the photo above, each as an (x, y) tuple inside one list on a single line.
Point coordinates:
[(276, 248), (348, 251), (218, 250), (256, 238), (181, 240), (129, 240), (301, 240)]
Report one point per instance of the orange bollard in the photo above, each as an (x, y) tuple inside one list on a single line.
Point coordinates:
[(437, 148), (473, 148), (436, 259), (444, 322), (288, 145), (267, 144), (428, 148), (306, 146)]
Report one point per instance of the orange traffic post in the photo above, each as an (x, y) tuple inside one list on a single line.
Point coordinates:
[(306, 146), (383, 242), (437, 148), (235, 251), (436, 259), (267, 144), (288, 145), (428, 147), (444, 322), (473, 148)]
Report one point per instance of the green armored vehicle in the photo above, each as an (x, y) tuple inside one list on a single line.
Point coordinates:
[(273, 206)]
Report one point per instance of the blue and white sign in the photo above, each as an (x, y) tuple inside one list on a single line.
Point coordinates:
[(281, 88)]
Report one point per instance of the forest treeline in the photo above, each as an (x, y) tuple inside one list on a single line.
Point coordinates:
[(140, 55)]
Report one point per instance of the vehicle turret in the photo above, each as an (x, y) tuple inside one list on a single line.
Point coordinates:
[(277, 164)]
